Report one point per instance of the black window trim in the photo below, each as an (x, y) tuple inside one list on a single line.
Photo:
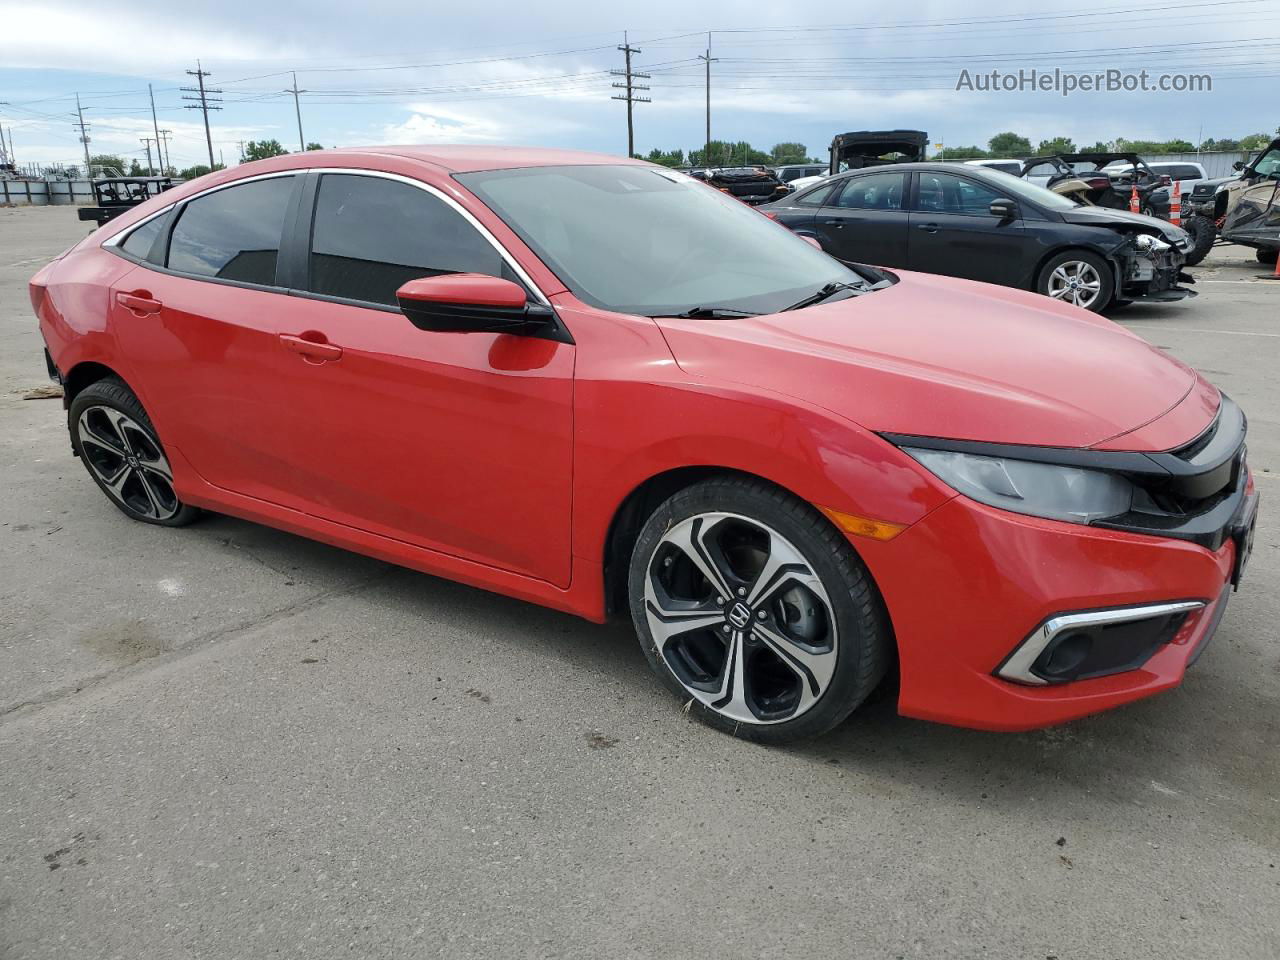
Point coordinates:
[(155, 259)]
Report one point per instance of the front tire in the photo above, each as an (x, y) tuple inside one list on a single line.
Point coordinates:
[(1267, 256), (1203, 233), (118, 445), (1077, 277), (756, 612)]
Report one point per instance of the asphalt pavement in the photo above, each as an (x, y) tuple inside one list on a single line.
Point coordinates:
[(225, 741)]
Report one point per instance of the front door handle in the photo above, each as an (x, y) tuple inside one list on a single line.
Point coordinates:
[(140, 302), (832, 223), (928, 227), (311, 346)]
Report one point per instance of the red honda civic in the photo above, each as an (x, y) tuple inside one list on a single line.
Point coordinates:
[(599, 385)]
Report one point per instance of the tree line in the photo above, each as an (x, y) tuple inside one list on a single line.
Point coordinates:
[(253, 150)]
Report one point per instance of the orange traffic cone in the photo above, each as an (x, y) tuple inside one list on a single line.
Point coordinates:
[(1175, 204), (1135, 205)]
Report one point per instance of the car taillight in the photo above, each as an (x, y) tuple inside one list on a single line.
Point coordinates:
[(38, 286), (771, 216)]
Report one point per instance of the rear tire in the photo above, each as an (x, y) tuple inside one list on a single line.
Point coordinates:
[(118, 445), (1077, 277), (756, 612), (1267, 256), (1203, 233)]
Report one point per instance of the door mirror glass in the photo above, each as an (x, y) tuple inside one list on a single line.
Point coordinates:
[(469, 303), (1003, 209)]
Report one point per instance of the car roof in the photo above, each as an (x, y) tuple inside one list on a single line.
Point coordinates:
[(464, 158)]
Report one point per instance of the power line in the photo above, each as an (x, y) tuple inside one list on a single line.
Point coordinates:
[(204, 103), (631, 87)]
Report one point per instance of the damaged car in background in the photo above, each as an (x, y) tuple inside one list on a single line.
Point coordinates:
[(1243, 209), (751, 185), (981, 224), (1110, 183)]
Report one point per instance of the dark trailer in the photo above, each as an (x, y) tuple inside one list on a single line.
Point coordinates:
[(115, 195)]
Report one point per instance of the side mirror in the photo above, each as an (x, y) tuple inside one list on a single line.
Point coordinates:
[(470, 303), (1238, 165), (1003, 209)]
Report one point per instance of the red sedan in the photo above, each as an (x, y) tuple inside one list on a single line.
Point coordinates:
[(599, 385)]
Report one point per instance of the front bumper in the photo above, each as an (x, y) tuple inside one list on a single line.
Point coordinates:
[(968, 584), (1155, 278)]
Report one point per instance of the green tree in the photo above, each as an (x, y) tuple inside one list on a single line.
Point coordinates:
[(1009, 145), (789, 153), (315, 146), (1100, 146), (136, 169), (108, 160), (261, 149), (199, 170), (667, 158), (1055, 146), (962, 153), (1254, 141)]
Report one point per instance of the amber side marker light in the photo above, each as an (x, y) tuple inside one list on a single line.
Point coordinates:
[(864, 526)]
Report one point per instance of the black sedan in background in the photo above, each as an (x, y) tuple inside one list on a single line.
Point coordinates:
[(982, 224)]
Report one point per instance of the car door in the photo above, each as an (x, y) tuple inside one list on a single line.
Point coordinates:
[(954, 233), (866, 220), (1253, 209), (458, 442), (197, 321)]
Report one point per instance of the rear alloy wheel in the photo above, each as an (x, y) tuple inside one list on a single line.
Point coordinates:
[(1078, 278), (752, 608), (115, 439)]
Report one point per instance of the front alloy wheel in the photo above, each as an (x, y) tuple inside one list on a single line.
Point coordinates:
[(1079, 278), (759, 615)]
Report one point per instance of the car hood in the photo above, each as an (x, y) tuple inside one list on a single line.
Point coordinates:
[(1106, 217), (939, 357)]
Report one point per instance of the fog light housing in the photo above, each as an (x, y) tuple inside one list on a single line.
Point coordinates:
[(1095, 643)]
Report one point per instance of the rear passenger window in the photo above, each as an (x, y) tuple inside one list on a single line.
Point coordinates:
[(816, 198), (138, 244), (234, 233), (370, 235)]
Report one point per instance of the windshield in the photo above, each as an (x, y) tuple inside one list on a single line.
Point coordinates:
[(1268, 164), (653, 242), (1020, 189)]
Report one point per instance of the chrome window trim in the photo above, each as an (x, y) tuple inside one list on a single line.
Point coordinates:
[(1018, 667), (450, 202), (117, 239)]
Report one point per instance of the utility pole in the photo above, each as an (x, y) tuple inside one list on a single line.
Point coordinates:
[(84, 136), (630, 86), (302, 144), (165, 165), (240, 144), (706, 153), (156, 125), (203, 102), (4, 151), (147, 142)]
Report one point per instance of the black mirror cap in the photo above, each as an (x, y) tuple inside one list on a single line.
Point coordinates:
[(531, 320), (1004, 209), (1238, 165)]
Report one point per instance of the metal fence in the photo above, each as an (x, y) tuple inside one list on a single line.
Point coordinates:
[(40, 193)]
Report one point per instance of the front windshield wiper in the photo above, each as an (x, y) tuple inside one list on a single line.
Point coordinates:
[(828, 291), (709, 313)]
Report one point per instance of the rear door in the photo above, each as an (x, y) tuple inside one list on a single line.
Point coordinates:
[(954, 233), (197, 320), (458, 442), (866, 220)]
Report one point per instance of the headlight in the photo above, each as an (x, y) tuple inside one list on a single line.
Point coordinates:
[(1150, 245), (1038, 489)]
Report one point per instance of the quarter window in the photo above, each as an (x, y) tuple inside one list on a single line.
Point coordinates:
[(138, 244), (816, 198), (370, 235), (233, 233)]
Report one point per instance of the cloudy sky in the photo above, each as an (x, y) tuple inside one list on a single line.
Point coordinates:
[(505, 72)]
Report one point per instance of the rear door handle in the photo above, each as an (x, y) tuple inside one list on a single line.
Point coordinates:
[(928, 227), (140, 302), (832, 223), (311, 349)]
